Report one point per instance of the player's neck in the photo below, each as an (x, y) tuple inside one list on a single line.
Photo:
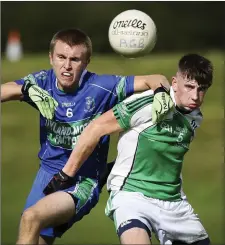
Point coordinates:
[(182, 110), (70, 90)]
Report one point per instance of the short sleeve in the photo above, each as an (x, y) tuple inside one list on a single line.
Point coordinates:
[(38, 78), (120, 86), (135, 110)]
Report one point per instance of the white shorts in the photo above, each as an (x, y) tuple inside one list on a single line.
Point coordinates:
[(170, 221)]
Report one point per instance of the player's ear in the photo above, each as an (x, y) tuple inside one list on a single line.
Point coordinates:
[(174, 84), (50, 57)]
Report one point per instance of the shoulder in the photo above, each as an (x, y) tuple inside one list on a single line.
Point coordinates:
[(38, 77), (118, 86), (45, 78), (197, 115), (41, 75), (139, 96), (106, 79), (135, 111)]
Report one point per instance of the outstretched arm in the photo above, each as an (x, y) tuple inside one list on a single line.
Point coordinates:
[(11, 91), (88, 140), (33, 93)]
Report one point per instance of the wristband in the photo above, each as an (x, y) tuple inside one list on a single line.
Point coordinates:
[(26, 87), (64, 176), (161, 89)]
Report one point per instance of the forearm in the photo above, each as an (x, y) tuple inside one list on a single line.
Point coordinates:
[(106, 124), (11, 91), (83, 149), (155, 81), (143, 83)]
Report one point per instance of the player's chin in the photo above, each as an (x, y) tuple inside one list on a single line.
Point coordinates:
[(191, 107), (68, 83)]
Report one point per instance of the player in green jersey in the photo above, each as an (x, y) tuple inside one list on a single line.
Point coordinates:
[(145, 183)]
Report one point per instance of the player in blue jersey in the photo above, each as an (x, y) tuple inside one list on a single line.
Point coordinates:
[(81, 96)]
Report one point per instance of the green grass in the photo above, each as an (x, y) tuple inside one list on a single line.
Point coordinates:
[(203, 167)]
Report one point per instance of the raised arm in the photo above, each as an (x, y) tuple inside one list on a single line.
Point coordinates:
[(142, 83), (88, 140), (163, 103), (11, 91)]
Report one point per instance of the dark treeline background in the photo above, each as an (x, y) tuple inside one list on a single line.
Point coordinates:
[(180, 25)]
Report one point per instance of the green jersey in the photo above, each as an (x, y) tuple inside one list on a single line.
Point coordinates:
[(150, 156)]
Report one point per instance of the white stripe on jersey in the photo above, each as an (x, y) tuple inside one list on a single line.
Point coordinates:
[(103, 88)]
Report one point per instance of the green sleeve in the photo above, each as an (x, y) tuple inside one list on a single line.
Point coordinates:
[(133, 111), (122, 114)]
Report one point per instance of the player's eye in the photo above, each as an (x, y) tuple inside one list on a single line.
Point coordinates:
[(75, 59), (189, 87), (61, 57)]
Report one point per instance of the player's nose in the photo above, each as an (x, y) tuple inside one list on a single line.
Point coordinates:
[(195, 94), (67, 64)]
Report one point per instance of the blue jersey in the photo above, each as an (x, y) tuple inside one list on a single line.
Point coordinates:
[(95, 95)]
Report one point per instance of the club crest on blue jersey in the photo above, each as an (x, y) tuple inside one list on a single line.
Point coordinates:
[(89, 104)]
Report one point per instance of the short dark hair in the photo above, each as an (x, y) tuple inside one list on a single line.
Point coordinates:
[(197, 67), (72, 37)]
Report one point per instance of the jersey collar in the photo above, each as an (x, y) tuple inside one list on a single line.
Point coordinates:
[(172, 95)]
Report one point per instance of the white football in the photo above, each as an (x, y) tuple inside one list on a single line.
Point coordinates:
[(132, 33)]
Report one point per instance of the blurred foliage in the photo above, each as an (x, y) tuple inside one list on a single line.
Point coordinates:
[(180, 25), (203, 166)]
